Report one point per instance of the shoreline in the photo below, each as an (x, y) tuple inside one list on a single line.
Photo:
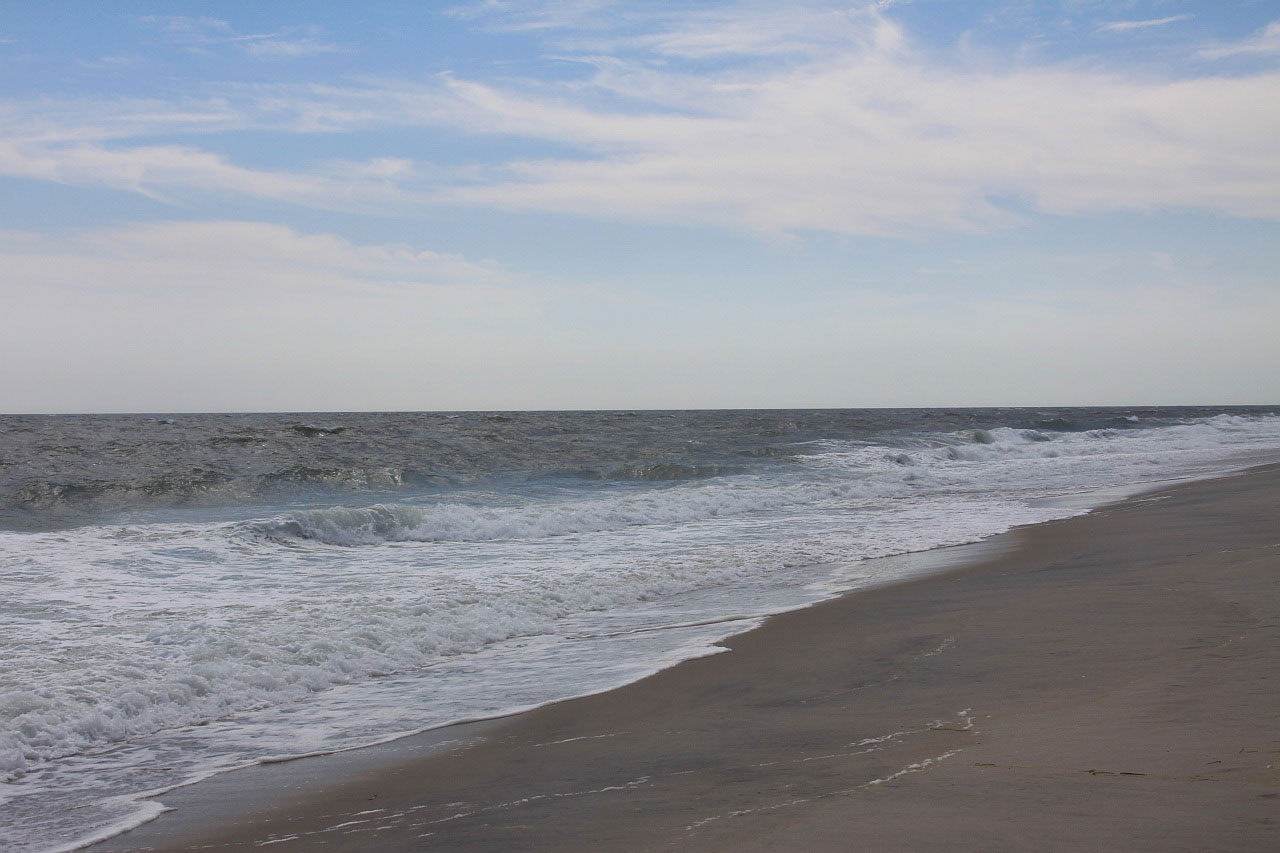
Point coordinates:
[(877, 631), (204, 803)]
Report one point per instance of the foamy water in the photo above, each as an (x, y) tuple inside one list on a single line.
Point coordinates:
[(147, 644)]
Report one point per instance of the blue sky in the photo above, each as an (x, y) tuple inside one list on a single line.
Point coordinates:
[(593, 204)]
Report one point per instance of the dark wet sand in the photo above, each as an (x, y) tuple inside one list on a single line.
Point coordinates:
[(1113, 682)]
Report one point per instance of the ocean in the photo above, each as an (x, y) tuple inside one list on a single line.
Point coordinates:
[(187, 594)]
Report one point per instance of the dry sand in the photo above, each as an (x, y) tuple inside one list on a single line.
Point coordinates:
[(1114, 681)]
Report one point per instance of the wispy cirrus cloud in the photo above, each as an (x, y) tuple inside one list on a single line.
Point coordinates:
[(203, 33), (1127, 26), (517, 15), (224, 255), (1265, 42), (281, 47), (875, 144), (684, 30), (174, 173), (746, 117)]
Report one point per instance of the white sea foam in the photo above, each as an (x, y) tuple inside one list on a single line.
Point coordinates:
[(141, 655)]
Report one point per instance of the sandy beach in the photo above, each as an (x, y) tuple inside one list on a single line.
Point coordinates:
[(1113, 680)]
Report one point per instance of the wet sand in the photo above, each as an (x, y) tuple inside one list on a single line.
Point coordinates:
[(1113, 680)]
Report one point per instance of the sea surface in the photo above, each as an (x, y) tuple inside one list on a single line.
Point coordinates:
[(186, 594)]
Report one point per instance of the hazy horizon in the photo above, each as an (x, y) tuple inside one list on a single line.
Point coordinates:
[(594, 205), (957, 407)]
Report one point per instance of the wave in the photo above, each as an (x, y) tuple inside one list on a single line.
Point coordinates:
[(67, 471), (832, 471), (311, 430), (174, 488), (455, 522), (658, 472), (42, 503), (202, 487)]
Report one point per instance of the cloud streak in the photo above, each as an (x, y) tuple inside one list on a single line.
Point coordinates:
[(751, 118), (1128, 26), (204, 33), (1264, 43), (230, 255)]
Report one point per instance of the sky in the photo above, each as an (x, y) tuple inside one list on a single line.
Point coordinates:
[(582, 204)]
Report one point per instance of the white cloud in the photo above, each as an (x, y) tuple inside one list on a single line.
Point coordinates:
[(271, 47), (805, 119), (203, 33), (510, 15), (114, 61), (173, 173), (228, 256), (876, 139), (201, 26), (1265, 42), (1126, 26)]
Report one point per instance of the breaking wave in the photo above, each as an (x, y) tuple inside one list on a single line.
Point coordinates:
[(454, 522)]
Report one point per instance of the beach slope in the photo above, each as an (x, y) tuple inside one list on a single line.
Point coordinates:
[(1112, 680)]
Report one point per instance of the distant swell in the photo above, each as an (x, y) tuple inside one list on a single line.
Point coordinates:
[(175, 488)]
